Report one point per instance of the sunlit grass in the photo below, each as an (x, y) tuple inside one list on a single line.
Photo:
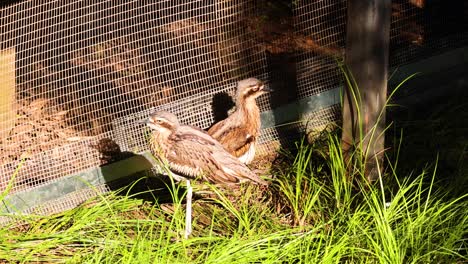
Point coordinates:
[(311, 213), (318, 208)]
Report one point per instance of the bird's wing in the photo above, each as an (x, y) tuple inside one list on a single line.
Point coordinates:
[(230, 165), (196, 152), (241, 142), (217, 129), (235, 139)]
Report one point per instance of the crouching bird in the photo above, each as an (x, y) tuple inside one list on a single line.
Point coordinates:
[(191, 153), (238, 133)]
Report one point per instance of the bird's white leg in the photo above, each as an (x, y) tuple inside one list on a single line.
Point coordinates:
[(188, 210)]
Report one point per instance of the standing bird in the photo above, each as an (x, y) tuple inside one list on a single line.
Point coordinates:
[(238, 133), (190, 152)]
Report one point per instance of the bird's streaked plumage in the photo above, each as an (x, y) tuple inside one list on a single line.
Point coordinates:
[(192, 153), (238, 133)]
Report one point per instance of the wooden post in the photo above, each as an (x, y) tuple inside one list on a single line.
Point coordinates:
[(7, 91), (367, 44)]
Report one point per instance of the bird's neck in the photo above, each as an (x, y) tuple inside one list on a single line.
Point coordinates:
[(160, 142), (249, 112)]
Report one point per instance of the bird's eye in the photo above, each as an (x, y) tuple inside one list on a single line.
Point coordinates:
[(255, 88)]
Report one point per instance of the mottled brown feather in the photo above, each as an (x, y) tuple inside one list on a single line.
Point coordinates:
[(240, 130), (193, 153), (234, 139)]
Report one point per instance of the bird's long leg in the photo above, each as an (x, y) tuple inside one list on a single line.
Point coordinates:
[(188, 210)]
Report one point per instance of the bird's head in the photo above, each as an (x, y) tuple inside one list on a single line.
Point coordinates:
[(251, 88), (162, 122)]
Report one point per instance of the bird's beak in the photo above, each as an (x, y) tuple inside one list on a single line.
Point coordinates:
[(148, 123), (143, 121), (265, 89)]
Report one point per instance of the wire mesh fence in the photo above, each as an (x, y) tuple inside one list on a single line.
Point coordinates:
[(88, 70), (422, 28), (82, 65)]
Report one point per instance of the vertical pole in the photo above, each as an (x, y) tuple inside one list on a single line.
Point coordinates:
[(367, 44), (7, 91)]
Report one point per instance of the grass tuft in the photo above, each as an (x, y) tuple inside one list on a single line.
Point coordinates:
[(311, 213)]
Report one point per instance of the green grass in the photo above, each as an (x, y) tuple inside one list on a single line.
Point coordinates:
[(318, 209), (311, 213)]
